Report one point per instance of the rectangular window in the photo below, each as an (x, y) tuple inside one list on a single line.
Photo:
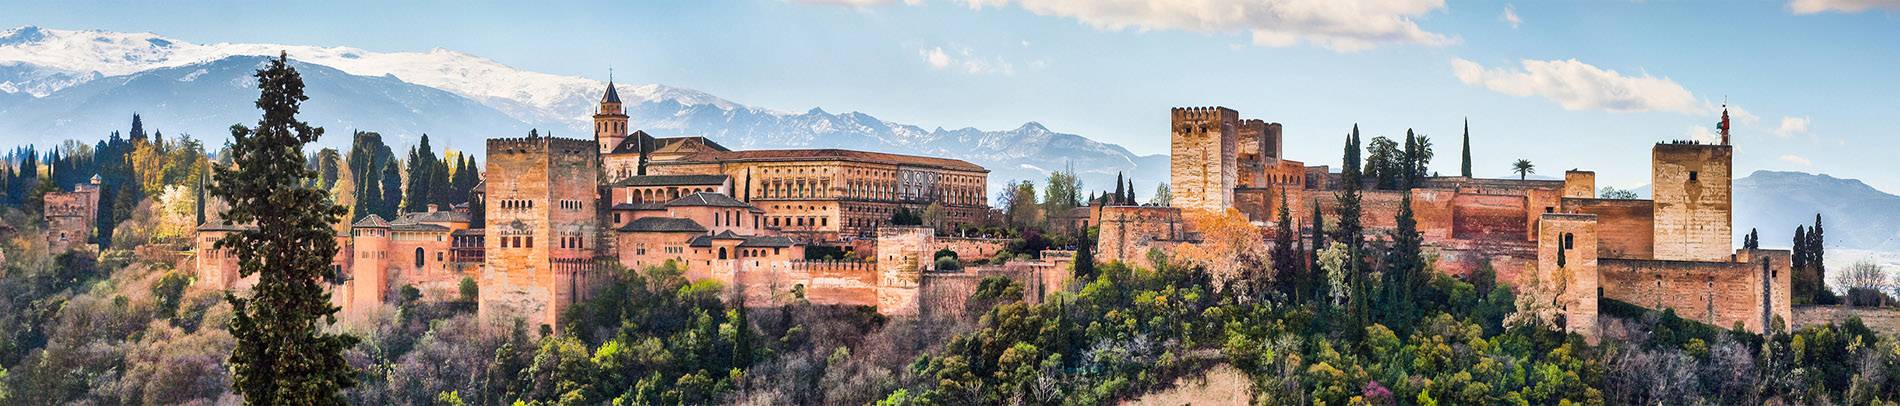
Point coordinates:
[(1692, 176)]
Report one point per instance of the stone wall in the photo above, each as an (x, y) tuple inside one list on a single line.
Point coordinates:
[(1203, 151), (1580, 184), (969, 249), (1567, 257), (1885, 321), (1626, 227), (1128, 232), (902, 256), (1722, 294), (539, 190), (1691, 187)]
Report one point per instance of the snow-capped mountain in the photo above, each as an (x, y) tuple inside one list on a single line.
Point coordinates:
[(58, 84)]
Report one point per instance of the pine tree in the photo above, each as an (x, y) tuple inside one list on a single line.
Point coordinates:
[(283, 356), (1465, 167)]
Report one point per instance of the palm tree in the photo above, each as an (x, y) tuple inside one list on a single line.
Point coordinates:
[(1523, 168)]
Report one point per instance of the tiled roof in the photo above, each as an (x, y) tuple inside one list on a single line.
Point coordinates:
[(371, 221), (639, 206), (767, 242), (438, 216), (217, 224), (663, 224), (612, 96), (673, 180), (705, 199), (832, 154)]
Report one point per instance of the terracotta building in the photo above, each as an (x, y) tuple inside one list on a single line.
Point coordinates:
[(71, 216), (1673, 252), (820, 195)]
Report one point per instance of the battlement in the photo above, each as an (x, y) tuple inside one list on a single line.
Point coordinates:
[(1687, 145), (540, 145), (1215, 113)]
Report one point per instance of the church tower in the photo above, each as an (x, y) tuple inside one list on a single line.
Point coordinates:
[(610, 122)]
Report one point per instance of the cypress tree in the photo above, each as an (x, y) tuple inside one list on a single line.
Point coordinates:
[(283, 356), (1465, 168), (1804, 289), (392, 190), (1410, 160), (1817, 257), (1286, 261), (1405, 272), (1120, 199), (1131, 194)]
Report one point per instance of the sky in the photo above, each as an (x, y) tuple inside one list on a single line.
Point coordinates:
[(1813, 85)]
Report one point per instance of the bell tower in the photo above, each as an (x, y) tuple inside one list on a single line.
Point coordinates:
[(610, 122)]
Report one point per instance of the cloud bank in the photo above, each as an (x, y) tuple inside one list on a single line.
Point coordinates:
[(1580, 86)]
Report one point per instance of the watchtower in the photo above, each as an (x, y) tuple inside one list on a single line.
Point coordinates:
[(1204, 147)]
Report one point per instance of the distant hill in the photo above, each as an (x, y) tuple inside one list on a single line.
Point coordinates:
[(1854, 215)]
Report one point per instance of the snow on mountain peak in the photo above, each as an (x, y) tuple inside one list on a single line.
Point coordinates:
[(530, 96)]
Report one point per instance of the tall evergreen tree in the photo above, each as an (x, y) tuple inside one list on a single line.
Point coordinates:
[(1817, 259), (1465, 167), (1129, 198), (1405, 271), (1286, 261), (1803, 284), (283, 356), (1317, 283), (138, 128), (1410, 162), (1120, 193), (392, 191)]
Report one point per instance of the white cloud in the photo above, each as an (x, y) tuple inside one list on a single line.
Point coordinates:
[(856, 3), (1580, 86), (1791, 126), (1841, 6), (1510, 16), (1703, 135), (935, 57), (1797, 160), (966, 60), (1738, 114), (1339, 25)]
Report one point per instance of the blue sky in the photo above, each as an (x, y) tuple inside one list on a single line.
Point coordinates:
[(1586, 85)]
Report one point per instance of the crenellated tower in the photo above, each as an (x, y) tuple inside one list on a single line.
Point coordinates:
[(610, 121), (1204, 145)]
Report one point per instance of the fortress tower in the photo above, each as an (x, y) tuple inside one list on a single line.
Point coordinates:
[(1691, 186), (610, 121), (1204, 146), (542, 230)]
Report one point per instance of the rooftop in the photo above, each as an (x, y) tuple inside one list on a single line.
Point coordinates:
[(674, 180), (832, 155), (663, 224)]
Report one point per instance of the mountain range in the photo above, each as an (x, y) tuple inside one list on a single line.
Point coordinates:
[(68, 84), (61, 84)]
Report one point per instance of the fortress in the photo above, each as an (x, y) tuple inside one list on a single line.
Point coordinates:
[(562, 214), (1671, 252)]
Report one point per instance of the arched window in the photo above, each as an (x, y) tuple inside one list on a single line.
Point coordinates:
[(722, 253), (419, 257)]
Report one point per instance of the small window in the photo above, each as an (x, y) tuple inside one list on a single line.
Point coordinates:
[(1692, 176)]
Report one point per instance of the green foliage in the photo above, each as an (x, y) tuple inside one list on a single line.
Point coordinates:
[(469, 290), (905, 217), (283, 355), (169, 290)]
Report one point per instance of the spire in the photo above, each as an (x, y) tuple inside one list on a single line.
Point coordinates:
[(612, 96)]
